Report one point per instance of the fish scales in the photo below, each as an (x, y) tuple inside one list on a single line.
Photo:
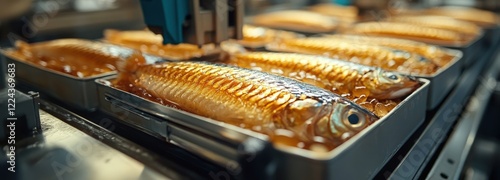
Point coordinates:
[(404, 29), (434, 53), (440, 22), (255, 100), (365, 85)]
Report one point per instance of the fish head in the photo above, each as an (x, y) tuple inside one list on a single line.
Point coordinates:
[(339, 120), (389, 85)]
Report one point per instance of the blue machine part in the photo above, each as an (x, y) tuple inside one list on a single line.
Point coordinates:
[(342, 2), (166, 17)]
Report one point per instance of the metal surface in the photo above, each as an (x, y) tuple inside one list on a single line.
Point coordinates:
[(443, 81), (225, 144), (492, 35), (25, 120), (471, 50), (78, 92), (64, 152), (412, 162), (451, 159)]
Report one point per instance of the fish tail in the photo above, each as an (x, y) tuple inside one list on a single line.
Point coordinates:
[(132, 63)]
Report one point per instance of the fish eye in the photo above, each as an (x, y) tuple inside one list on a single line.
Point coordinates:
[(354, 120), (392, 76)]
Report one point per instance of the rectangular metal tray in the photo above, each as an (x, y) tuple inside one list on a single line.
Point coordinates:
[(492, 35), (361, 157), (78, 92), (443, 81), (471, 51)]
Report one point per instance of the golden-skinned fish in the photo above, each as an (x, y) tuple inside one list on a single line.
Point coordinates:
[(367, 86), (366, 54), (297, 20), (436, 54), (77, 57), (409, 31), (252, 99), (440, 22)]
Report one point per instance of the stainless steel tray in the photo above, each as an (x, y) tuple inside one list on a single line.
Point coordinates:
[(443, 81), (78, 92), (227, 145), (471, 50), (492, 35)]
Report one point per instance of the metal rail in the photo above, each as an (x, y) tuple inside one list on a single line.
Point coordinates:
[(412, 162)]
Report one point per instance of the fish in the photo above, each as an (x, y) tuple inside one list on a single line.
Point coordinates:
[(148, 42), (438, 55), (409, 31), (479, 17), (297, 20), (76, 57), (440, 22), (364, 85), (366, 54), (255, 36), (253, 100)]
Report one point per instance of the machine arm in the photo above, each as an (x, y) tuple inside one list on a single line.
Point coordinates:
[(194, 21)]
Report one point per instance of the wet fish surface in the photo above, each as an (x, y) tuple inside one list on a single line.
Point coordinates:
[(367, 86), (366, 54)]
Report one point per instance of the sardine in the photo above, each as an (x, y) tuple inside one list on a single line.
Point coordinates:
[(365, 85), (436, 54), (366, 54), (440, 22), (407, 31), (477, 16), (254, 100), (77, 57), (148, 42)]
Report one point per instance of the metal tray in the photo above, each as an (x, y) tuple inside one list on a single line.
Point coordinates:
[(78, 92), (492, 35), (359, 158), (471, 50), (443, 81)]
